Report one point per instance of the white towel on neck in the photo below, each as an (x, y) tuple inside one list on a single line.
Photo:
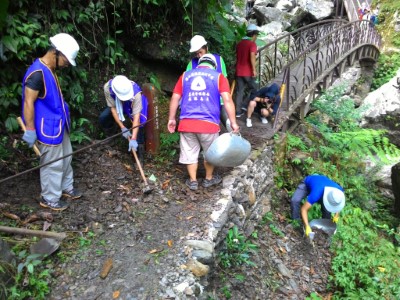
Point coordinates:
[(120, 110)]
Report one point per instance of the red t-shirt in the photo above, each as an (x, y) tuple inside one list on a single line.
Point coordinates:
[(243, 60), (200, 126)]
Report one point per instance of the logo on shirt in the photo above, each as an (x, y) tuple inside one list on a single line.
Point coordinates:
[(198, 84)]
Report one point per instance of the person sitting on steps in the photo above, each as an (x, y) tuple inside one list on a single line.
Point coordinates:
[(265, 101)]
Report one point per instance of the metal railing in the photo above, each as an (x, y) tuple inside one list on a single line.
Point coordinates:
[(302, 59), (275, 55)]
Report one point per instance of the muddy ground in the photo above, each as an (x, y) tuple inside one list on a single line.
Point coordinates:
[(143, 234)]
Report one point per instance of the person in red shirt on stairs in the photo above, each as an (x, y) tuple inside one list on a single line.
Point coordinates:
[(246, 51)]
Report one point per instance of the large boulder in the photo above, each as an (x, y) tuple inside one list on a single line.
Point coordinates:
[(382, 109), (318, 9), (265, 15)]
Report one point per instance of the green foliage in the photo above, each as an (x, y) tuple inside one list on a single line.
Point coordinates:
[(169, 145), (388, 65), (5, 154), (373, 272), (79, 130), (269, 220), (237, 250), (314, 296), (226, 292), (338, 147), (344, 134), (31, 279)]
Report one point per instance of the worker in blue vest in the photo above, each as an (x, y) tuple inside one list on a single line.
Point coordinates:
[(317, 189), (198, 46), (124, 98), (47, 120)]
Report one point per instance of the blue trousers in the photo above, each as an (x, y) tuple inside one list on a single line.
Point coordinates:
[(107, 122), (295, 203)]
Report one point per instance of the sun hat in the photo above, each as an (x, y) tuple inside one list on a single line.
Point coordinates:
[(122, 87), (333, 199), (252, 27)]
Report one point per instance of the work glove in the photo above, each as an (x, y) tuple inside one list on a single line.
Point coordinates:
[(126, 133), (308, 230), (30, 137), (133, 145), (335, 219)]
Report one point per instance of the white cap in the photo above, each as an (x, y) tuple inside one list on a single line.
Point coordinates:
[(196, 43), (334, 199), (122, 87), (67, 45), (252, 27), (208, 58)]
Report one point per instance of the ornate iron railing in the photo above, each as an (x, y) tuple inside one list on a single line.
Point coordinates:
[(303, 59), (278, 53)]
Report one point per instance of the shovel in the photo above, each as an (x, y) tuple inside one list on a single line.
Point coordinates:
[(147, 189)]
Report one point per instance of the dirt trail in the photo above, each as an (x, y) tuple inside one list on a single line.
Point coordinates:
[(143, 234)]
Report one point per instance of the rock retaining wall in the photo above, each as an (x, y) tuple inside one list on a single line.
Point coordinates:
[(244, 199)]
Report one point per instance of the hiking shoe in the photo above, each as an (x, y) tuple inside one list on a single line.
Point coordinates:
[(73, 194), (239, 114), (213, 181), (59, 205), (264, 120), (248, 123), (193, 185), (244, 108)]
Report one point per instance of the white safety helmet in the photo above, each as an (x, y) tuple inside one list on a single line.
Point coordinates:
[(196, 43), (67, 45), (208, 58), (122, 87)]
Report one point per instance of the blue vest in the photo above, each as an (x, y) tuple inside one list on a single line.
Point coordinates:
[(195, 62), (51, 112), (127, 105), (200, 99)]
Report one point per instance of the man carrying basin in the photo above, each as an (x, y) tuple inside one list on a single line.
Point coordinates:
[(317, 189), (200, 90)]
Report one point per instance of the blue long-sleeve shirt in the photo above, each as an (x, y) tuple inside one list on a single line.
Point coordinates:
[(316, 185)]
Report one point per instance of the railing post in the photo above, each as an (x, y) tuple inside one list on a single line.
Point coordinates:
[(152, 128)]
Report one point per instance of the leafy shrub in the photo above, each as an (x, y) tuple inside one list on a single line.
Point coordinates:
[(387, 68), (366, 265), (237, 250)]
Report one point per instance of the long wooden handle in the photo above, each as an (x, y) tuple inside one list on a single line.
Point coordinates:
[(140, 166), (41, 233), (22, 125)]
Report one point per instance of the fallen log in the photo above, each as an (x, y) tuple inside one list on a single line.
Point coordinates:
[(48, 234)]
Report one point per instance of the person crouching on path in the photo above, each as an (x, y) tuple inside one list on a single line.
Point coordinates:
[(317, 189), (48, 121), (265, 102), (124, 98), (200, 90)]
